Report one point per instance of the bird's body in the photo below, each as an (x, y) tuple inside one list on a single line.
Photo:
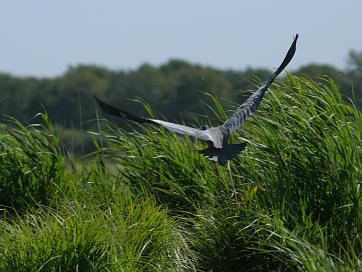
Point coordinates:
[(219, 150)]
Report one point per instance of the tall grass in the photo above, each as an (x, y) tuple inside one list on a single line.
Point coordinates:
[(126, 236), (303, 157), (309, 166), (147, 201), (242, 239), (32, 168)]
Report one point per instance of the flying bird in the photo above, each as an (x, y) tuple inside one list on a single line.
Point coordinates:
[(218, 150)]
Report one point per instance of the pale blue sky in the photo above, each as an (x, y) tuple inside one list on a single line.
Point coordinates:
[(42, 37)]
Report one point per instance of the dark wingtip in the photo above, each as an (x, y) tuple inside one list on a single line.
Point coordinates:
[(108, 108), (99, 102), (288, 57), (120, 113), (290, 53)]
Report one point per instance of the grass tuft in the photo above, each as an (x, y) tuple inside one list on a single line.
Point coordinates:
[(32, 167)]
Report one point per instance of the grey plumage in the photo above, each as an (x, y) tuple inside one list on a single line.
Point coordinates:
[(219, 150)]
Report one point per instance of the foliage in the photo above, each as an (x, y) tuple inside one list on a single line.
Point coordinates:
[(304, 158), (310, 160), (146, 201), (32, 168), (174, 89), (124, 237), (241, 239)]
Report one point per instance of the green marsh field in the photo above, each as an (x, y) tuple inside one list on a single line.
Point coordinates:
[(146, 201)]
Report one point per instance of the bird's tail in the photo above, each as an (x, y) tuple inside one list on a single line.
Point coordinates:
[(222, 155)]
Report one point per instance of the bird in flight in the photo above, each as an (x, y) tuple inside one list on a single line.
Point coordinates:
[(218, 150)]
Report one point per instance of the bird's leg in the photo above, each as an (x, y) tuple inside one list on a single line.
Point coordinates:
[(217, 170), (234, 194)]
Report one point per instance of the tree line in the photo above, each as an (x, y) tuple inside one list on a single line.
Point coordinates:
[(175, 89)]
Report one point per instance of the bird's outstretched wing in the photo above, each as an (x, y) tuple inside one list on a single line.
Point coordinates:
[(251, 104), (180, 129)]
